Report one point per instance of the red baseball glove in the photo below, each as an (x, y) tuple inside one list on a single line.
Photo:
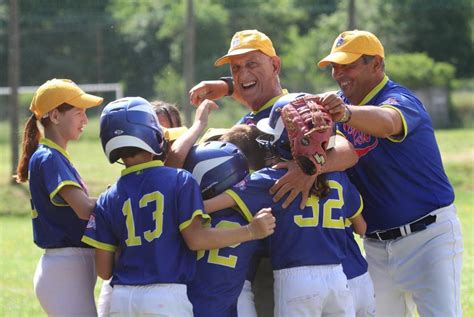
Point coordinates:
[(309, 128)]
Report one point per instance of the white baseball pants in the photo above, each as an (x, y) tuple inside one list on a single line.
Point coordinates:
[(424, 266), (309, 291), (246, 303), (150, 300), (64, 282), (362, 290), (103, 304)]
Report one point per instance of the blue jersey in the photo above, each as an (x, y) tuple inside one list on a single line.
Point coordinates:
[(141, 217), (402, 178), (312, 236), (55, 224), (253, 117), (354, 264), (221, 273)]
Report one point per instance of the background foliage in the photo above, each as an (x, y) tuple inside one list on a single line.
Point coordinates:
[(140, 42)]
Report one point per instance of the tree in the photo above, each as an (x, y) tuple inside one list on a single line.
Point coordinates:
[(440, 28)]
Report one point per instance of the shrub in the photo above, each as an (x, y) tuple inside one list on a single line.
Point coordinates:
[(418, 70)]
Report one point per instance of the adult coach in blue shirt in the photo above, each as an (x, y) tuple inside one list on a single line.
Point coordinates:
[(255, 83), (255, 67), (414, 243)]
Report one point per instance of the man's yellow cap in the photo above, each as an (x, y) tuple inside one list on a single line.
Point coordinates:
[(351, 45), (247, 41), (55, 92)]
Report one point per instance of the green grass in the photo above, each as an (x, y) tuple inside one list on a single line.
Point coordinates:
[(19, 255)]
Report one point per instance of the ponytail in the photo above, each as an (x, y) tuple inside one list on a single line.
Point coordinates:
[(31, 138), (320, 187)]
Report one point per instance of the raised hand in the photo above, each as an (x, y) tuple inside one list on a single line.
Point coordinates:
[(262, 225), (208, 89)]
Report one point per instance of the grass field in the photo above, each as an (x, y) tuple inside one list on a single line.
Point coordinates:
[(18, 254)]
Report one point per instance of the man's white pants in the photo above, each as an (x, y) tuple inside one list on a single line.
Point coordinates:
[(424, 266)]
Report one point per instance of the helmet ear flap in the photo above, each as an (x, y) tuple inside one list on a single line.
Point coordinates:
[(161, 140)]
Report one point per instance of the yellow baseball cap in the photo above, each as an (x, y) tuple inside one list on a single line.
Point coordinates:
[(247, 41), (171, 134), (55, 92), (351, 45)]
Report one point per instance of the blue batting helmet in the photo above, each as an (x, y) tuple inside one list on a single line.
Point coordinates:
[(278, 143), (216, 166), (130, 122)]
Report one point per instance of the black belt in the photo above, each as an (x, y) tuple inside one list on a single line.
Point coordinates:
[(403, 231)]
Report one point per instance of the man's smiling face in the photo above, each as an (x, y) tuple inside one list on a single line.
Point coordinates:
[(255, 77)]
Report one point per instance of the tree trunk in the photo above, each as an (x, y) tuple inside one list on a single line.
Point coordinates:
[(188, 62), (13, 80)]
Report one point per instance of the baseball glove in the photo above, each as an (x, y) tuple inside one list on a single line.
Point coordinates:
[(309, 128)]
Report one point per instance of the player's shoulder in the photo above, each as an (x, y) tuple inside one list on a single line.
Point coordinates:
[(267, 174), (337, 175), (396, 94), (264, 178), (43, 152), (46, 156)]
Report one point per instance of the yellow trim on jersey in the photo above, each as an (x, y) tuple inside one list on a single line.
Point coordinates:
[(195, 214), (51, 144), (398, 138), (142, 166), (99, 245), (56, 191), (375, 91), (243, 208), (359, 211), (270, 102)]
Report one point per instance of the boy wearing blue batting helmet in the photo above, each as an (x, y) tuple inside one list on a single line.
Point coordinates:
[(151, 211)]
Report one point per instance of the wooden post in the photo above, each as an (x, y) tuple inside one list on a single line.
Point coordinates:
[(13, 80), (188, 60)]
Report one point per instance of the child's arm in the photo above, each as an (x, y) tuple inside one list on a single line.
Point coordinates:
[(359, 225), (219, 202), (104, 263), (198, 237), (180, 148), (78, 200)]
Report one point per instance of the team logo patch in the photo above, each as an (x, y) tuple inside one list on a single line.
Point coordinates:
[(390, 101), (91, 223), (242, 184), (339, 41), (251, 122), (363, 143), (235, 42)]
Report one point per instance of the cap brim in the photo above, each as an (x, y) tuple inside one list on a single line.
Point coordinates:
[(263, 126), (172, 134), (85, 101), (339, 58), (226, 58)]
